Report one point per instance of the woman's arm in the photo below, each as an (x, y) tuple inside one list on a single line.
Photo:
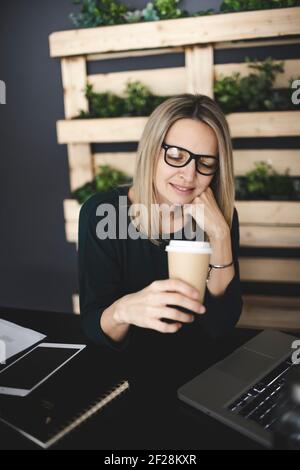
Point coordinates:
[(99, 267), (223, 311), (111, 323), (148, 306), (106, 311), (221, 255)]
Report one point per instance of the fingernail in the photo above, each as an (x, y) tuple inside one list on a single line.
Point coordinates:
[(202, 310)]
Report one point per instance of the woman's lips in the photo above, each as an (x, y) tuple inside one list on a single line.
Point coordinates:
[(183, 190)]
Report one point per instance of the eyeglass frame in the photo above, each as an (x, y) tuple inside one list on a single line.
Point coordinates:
[(193, 156)]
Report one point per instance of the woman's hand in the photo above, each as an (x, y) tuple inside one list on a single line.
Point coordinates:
[(214, 223), (147, 307)]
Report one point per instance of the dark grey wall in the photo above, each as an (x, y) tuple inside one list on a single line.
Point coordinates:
[(37, 265), (38, 268)]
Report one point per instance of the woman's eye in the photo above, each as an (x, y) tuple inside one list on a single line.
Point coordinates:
[(175, 156), (207, 163)]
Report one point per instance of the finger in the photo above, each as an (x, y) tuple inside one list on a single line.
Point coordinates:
[(165, 327), (176, 285), (181, 301), (176, 315)]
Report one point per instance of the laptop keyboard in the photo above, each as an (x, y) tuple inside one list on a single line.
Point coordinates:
[(262, 402)]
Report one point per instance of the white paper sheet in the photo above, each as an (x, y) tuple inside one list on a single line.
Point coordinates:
[(15, 339)]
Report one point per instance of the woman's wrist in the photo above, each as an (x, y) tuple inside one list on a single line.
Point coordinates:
[(112, 325), (119, 313), (219, 235)]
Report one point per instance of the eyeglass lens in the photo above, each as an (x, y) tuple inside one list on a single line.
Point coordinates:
[(178, 157)]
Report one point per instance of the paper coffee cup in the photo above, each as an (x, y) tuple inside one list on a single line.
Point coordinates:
[(188, 261)]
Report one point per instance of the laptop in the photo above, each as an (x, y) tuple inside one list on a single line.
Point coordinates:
[(244, 390)]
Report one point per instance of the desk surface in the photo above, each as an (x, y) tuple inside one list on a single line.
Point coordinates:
[(149, 416)]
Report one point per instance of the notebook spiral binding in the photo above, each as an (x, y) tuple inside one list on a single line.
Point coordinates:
[(100, 403)]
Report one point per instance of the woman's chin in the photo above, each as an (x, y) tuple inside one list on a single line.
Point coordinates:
[(180, 201), (176, 198)]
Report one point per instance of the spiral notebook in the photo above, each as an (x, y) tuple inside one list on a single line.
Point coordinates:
[(41, 425), (65, 402)]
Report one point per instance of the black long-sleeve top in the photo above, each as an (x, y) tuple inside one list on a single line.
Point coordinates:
[(111, 268)]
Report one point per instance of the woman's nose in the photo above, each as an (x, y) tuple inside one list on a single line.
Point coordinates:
[(189, 171)]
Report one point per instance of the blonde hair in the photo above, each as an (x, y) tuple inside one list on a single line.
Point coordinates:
[(186, 105)]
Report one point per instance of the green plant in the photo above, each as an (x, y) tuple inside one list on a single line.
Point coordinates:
[(227, 93), (106, 178), (134, 16), (255, 91), (246, 5), (149, 13), (103, 104), (258, 179), (137, 101), (168, 9), (263, 182), (84, 192), (108, 12), (98, 13), (209, 11)]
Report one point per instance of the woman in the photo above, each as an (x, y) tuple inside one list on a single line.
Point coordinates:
[(184, 159)]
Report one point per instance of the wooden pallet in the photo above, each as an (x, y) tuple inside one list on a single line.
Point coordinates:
[(282, 313), (262, 223)]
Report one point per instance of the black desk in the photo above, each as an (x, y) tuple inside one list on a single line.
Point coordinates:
[(150, 416)]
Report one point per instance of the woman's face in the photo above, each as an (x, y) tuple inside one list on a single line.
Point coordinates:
[(182, 185)]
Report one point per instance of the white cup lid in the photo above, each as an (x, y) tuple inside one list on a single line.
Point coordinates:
[(189, 246)]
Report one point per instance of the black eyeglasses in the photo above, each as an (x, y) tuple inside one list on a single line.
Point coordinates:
[(179, 157)]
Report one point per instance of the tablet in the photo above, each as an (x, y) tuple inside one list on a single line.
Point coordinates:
[(29, 371)]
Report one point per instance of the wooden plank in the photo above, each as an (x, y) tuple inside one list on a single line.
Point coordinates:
[(270, 312), (80, 164), (71, 230), (199, 64), (142, 53), (256, 43), (272, 301), (127, 129), (268, 212), (75, 303), (262, 319), (264, 124), (71, 210), (178, 32), (270, 269), (124, 161), (162, 82), (281, 318), (266, 236), (100, 130), (291, 70), (280, 159), (74, 80)]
